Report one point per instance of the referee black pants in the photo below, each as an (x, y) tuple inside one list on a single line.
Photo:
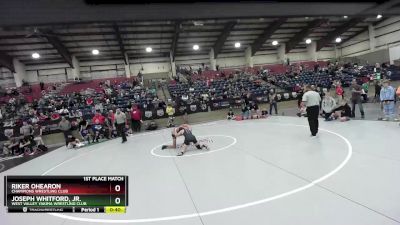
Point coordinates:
[(121, 132), (312, 116)]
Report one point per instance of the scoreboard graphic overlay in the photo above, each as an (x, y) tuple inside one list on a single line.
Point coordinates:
[(66, 194)]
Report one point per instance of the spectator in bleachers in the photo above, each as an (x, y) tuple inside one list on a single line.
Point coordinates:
[(99, 106), (98, 118)]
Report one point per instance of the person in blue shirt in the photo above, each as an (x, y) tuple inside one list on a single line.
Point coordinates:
[(387, 99)]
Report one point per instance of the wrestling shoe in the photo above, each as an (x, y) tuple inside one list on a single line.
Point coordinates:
[(163, 147), (206, 147), (180, 154)]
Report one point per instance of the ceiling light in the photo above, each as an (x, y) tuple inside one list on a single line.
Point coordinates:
[(149, 49), (338, 40), (379, 16), (306, 17), (95, 52), (237, 45), (308, 41), (35, 55), (195, 47), (345, 17), (275, 43)]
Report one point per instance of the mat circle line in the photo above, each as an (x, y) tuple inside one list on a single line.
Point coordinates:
[(231, 208)]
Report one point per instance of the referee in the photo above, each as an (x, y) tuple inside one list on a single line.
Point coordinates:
[(120, 121), (311, 100)]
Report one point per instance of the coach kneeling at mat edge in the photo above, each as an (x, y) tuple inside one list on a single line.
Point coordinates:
[(311, 100)]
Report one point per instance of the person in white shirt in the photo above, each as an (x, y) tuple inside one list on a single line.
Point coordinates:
[(328, 105), (311, 100)]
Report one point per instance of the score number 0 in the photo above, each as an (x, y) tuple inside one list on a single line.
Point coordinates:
[(117, 200)]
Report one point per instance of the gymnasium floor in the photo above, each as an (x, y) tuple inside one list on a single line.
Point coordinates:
[(257, 172)]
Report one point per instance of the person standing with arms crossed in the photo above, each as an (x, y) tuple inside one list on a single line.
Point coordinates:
[(120, 121), (311, 100), (356, 92)]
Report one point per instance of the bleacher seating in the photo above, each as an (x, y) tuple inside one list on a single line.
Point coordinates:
[(218, 88)]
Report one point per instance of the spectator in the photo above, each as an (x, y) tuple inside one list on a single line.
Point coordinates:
[(120, 120), (129, 120), (365, 87), (387, 99), (378, 88), (98, 118), (356, 92), (41, 85), (65, 127), (136, 118), (26, 129), (111, 116), (109, 127), (343, 112), (245, 111), (27, 145), (328, 105), (99, 107), (73, 142), (185, 116), (230, 115), (273, 102), (255, 111), (37, 134), (170, 112), (11, 146), (339, 91), (85, 130)]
